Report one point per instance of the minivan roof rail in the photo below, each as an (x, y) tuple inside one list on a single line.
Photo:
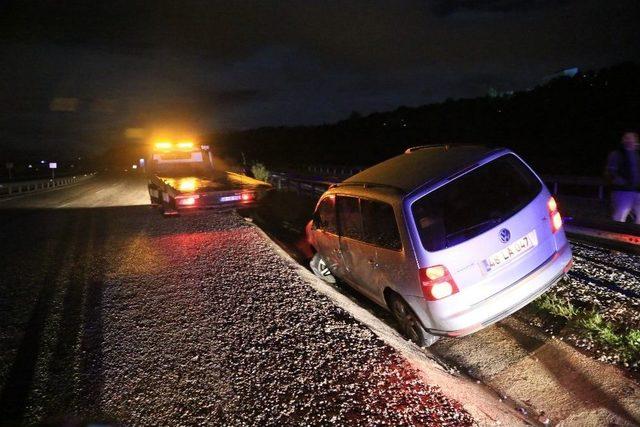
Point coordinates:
[(422, 147), (366, 185), (445, 146)]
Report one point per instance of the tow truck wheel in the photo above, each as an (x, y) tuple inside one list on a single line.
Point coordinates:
[(155, 200), (160, 202), (162, 205), (167, 209), (409, 323)]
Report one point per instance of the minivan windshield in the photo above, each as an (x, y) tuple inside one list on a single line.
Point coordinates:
[(474, 203)]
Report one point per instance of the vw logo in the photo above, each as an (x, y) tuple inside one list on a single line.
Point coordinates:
[(505, 235)]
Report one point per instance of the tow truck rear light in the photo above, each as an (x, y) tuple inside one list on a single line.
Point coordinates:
[(437, 283), (247, 196), (187, 200), (554, 215)]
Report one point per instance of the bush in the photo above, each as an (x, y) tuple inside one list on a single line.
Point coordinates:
[(260, 172)]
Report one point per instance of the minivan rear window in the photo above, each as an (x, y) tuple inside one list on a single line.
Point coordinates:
[(474, 203)]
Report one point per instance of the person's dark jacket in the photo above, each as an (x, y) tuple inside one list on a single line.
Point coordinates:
[(620, 172)]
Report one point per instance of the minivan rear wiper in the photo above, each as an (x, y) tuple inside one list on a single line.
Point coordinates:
[(492, 221)]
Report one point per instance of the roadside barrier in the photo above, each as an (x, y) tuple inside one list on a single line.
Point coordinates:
[(581, 186), (20, 187)]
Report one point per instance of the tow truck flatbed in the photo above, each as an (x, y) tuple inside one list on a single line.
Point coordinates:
[(184, 179)]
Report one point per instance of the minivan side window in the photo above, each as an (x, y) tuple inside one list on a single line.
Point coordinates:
[(379, 224), (349, 217), (325, 216)]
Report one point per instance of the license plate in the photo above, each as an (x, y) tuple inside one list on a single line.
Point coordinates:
[(233, 198), (513, 251)]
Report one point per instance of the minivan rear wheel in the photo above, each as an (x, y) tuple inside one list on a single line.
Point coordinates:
[(409, 323)]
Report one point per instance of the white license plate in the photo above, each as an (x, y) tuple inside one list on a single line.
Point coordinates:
[(513, 251), (233, 198)]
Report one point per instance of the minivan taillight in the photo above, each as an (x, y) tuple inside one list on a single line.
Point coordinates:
[(437, 282), (554, 215)]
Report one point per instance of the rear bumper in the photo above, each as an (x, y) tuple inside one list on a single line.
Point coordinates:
[(233, 205), (211, 206), (233, 199), (472, 318)]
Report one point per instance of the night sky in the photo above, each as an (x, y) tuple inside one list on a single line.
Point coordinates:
[(236, 64)]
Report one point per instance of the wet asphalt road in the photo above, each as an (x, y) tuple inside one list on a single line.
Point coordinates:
[(109, 312)]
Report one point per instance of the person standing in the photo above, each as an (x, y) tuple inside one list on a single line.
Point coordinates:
[(623, 172)]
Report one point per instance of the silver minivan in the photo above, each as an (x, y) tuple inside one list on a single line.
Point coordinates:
[(449, 238)]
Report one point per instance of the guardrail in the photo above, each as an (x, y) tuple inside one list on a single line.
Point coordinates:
[(312, 186), (14, 188), (583, 186), (337, 171), (625, 236)]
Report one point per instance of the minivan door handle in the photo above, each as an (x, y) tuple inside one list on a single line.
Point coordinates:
[(373, 264)]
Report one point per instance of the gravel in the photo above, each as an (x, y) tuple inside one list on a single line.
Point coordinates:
[(196, 320)]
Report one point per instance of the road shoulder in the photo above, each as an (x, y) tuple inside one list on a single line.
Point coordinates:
[(484, 405)]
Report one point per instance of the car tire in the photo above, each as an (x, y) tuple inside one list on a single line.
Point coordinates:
[(409, 323), (320, 269), (161, 205), (165, 209), (155, 201)]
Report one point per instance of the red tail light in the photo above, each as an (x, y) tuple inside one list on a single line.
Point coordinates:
[(247, 196), (437, 283), (554, 215)]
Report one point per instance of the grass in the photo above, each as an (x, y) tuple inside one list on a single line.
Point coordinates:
[(591, 324), (553, 304)]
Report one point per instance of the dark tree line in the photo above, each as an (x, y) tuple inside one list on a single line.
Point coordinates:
[(565, 126)]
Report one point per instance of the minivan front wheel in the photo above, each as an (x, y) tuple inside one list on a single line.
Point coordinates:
[(409, 323), (319, 267)]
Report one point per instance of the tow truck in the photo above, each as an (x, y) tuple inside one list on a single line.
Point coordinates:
[(181, 177)]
